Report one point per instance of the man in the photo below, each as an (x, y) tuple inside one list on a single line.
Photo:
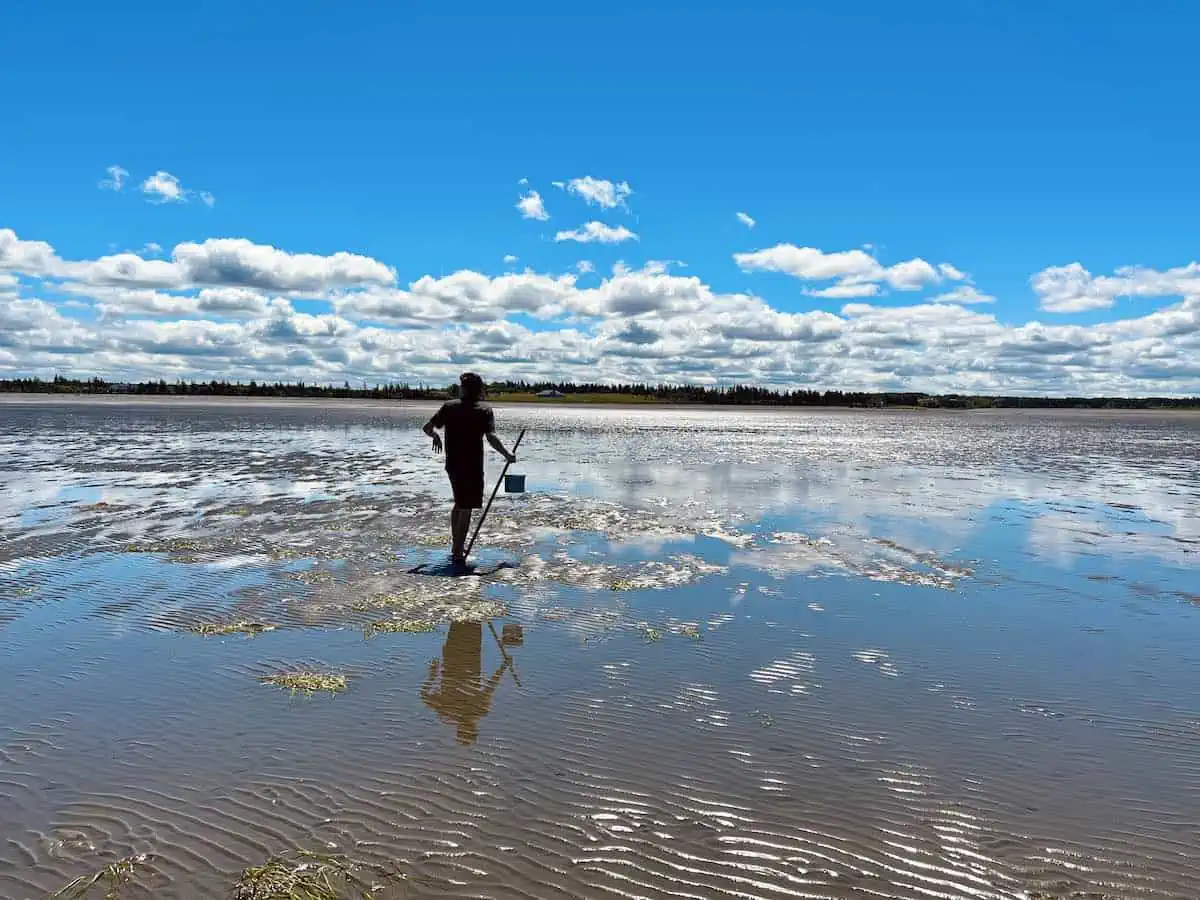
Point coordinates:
[(467, 422)]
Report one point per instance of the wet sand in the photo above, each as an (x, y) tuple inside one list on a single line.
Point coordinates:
[(723, 654)]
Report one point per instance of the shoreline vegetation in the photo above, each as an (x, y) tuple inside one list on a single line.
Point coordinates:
[(566, 393)]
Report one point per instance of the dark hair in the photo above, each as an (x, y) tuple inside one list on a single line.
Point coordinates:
[(471, 386)]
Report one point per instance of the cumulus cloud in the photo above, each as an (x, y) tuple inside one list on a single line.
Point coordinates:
[(746, 220), (1072, 288), (857, 273), (585, 267), (26, 257), (597, 232), (115, 180), (219, 308), (163, 187), (532, 207), (217, 262), (600, 192), (239, 262), (965, 293), (509, 259)]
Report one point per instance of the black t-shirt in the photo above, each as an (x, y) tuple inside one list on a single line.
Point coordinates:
[(465, 424)]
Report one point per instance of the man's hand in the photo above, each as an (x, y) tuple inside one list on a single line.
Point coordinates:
[(511, 457), (437, 442)]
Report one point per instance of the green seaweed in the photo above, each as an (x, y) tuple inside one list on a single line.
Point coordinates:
[(307, 681), (398, 626), (172, 545), (115, 875), (209, 629), (651, 634), (304, 875)]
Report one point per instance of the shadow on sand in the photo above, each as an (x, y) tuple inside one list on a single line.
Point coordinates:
[(458, 570)]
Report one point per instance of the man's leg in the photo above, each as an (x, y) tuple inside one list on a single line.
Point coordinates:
[(460, 525)]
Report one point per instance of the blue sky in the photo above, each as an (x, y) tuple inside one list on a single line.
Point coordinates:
[(1002, 139)]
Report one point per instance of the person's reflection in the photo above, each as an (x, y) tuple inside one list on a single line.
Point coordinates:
[(462, 697)]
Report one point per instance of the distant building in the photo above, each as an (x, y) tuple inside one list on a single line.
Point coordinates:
[(550, 393)]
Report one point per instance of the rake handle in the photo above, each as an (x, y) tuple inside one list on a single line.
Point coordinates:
[(487, 508)]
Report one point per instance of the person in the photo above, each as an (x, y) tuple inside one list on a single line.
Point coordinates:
[(467, 422)]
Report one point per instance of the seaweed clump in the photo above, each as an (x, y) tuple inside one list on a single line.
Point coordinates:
[(307, 682), (114, 876), (304, 875), (209, 629), (399, 626)]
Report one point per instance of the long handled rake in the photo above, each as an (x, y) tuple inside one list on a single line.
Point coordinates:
[(493, 497)]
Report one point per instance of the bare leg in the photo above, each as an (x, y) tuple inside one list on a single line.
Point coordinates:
[(460, 525)]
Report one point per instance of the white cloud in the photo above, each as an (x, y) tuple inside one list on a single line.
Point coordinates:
[(911, 275), (964, 294), (585, 267), (600, 192), (857, 272), (214, 309), (509, 259), (522, 181), (115, 180), (239, 262), (217, 262), (163, 187), (811, 264), (846, 290), (532, 207), (1072, 288), (150, 248), (746, 220), (26, 257), (597, 232), (561, 185)]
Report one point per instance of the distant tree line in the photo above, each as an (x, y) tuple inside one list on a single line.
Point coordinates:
[(224, 388), (740, 395)]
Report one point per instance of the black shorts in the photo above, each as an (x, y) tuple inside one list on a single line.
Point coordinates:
[(467, 487)]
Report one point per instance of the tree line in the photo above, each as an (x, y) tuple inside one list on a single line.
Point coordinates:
[(737, 395)]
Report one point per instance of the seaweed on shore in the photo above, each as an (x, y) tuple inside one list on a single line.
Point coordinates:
[(115, 876), (304, 875), (210, 629), (309, 682), (399, 626)]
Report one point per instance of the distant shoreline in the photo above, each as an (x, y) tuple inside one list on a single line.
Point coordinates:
[(215, 400), (690, 396)]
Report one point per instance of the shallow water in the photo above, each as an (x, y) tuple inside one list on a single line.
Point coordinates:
[(753, 653)]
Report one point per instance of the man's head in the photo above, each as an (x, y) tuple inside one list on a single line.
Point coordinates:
[(470, 387)]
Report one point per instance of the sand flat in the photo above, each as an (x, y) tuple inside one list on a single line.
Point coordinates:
[(733, 653)]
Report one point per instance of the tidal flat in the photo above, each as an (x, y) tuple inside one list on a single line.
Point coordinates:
[(707, 653)]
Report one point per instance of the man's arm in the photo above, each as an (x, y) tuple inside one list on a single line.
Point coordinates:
[(498, 446), (435, 422), (489, 432)]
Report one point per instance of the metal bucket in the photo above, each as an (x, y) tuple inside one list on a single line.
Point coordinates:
[(514, 484)]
